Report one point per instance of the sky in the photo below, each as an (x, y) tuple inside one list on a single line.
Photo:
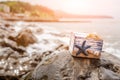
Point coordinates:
[(82, 7)]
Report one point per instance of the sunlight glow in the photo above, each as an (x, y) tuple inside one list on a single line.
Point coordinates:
[(77, 6)]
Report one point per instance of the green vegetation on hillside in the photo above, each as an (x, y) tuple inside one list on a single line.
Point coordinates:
[(32, 10), (1, 9)]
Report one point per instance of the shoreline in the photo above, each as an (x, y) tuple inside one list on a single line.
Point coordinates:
[(43, 20)]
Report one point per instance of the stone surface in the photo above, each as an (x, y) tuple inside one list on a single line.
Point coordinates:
[(7, 25), (25, 37), (19, 56), (62, 66)]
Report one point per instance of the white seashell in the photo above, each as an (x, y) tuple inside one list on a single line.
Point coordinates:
[(97, 53)]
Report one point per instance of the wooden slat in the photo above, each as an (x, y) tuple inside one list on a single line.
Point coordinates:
[(93, 52)]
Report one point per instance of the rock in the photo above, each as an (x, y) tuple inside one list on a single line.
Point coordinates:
[(5, 53), (3, 32), (25, 37), (12, 38), (39, 31), (58, 34), (9, 78), (108, 75), (9, 43), (62, 66), (7, 25), (26, 76)]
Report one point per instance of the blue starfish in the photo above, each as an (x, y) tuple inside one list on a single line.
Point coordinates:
[(82, 49)]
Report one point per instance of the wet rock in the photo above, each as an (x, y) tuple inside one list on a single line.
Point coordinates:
[(16, 55), (5, 53), (17, 58), (62, 46), (12, 38), (107, 74), (3, 32), (62, 66), (39, 31), (8, 78), (55, 62), (24, 60), (8, 43), (33, 64), (27, 76), (36, 57), (7, 25), (25, 37), (58, 34)]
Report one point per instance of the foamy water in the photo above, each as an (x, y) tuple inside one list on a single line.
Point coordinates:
[(109, 30)]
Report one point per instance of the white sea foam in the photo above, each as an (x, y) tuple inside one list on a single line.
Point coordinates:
[(113, 51), (109, 47)]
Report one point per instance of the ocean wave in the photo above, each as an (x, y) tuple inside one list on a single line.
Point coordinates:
[(112, 51)]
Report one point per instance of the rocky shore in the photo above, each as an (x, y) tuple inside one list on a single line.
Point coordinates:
[(63, 66), (34, 52), (24, 46)]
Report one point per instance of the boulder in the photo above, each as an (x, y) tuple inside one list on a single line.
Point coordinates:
[(3, 32), (7, 25), (39, 31), (25, 37), (62, 66), (11, 44)]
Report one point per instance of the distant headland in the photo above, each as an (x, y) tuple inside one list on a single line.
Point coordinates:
[(23, 11)]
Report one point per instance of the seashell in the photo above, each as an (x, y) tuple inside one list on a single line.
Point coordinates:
[(96, 53)]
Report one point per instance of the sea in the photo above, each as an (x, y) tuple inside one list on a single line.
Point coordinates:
[(108, 29)]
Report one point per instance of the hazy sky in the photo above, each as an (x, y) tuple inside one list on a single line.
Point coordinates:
[(100, 7)]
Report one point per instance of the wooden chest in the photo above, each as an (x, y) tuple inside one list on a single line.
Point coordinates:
[(85, 45)]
